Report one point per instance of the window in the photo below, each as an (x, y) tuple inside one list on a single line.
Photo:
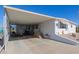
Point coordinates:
[(62, 25)]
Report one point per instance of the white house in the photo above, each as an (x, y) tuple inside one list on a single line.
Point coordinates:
[(50, 27)]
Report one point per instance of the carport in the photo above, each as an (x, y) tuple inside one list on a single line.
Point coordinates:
[(33, 24), (25, 20)]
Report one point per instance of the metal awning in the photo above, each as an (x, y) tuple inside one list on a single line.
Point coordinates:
[(18, 16)]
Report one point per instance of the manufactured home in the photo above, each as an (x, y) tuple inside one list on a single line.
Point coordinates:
[(18, 22)]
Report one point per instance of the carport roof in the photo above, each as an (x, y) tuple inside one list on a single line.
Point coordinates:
[(19, 16)]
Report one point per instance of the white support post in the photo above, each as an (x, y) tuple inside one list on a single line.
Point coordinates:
[(5, 28)]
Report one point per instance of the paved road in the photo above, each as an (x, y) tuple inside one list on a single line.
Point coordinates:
[(39, 46)]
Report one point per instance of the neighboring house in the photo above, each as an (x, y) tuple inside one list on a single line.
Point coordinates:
[(48, 26)]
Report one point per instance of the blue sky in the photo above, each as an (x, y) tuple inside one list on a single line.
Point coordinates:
[(69, 12), (1, 14)]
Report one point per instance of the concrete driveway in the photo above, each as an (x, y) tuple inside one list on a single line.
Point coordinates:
[(39, 46)]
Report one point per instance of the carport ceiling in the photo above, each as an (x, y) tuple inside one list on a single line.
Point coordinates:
[(18, 16)]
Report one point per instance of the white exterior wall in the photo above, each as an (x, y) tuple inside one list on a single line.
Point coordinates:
[(47, 27), (66, 31), (71, 29), (59, 30), (6, 30)]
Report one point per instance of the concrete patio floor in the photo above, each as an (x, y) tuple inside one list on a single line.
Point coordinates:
[(39, 46)]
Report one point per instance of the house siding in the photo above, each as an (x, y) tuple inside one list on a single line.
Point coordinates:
[(71, 29), (68, 30), (48, 27)]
